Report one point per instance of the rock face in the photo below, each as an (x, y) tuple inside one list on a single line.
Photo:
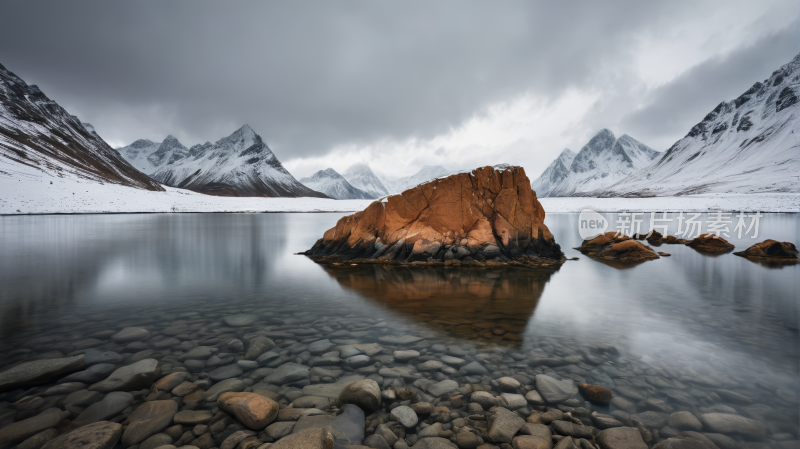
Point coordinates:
[(38, 371), (489, 214), (771, 251), (710, 244), (617, 247)]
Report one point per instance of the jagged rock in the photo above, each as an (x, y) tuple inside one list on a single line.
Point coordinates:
[(672, 240), (38, 371), (487, 214), (616, 247), (771, 251), (710, 244)]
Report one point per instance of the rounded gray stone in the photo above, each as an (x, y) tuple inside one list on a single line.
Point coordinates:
[(405, 416)]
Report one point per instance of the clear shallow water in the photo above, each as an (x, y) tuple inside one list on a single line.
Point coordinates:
[(701, 324)]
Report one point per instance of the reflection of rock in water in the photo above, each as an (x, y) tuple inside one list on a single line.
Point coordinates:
[(467, 303)]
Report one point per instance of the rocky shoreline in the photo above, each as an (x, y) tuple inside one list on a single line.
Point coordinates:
[(520, 262), (253, 380)]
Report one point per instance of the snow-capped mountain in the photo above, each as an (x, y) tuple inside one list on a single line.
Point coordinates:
[(363, 178), (552, 176), (331, 183), (238, 165), (600, 163), (149, 156), (39, 139), (426, 173), (747, 145)]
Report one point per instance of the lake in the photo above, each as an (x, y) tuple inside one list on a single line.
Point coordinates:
[(686, 332)]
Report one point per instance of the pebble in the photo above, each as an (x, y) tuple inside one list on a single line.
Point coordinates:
[(130, 334), (405, 416), (147, 420)]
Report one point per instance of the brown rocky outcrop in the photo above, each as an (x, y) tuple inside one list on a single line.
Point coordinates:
[(672, 240), (710, 244), (615, 247), (771, 251), (489, 214)]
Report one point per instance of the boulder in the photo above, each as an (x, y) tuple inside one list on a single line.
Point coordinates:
[(99, 435), (319, 438), (733, 424), (615, 247), (620, 438), (147, 420), (21, 430), (710, 244), (490, 213), (503, 425), (595, 394), (258, 346), (252, 410), (38, 371), (554, 391), (110, 406), (364, 393), (771, 251), (128, 378)]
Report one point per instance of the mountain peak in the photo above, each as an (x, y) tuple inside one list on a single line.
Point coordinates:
[(358, 167)]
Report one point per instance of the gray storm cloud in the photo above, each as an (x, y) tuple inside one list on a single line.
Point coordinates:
[(309, 76)]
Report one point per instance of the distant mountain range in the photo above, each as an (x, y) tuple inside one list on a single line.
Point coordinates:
[(746, 145), (240, 164), (603, 161), (39, 138), (334, 185)]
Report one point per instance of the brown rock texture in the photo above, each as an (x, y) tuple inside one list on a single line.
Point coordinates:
[(252, 410), (489, 214), (672, 240), (710, 244), (771, 250), (612, 246), (595, 393)]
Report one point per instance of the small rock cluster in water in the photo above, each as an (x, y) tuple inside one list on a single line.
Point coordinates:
[(259, 378)]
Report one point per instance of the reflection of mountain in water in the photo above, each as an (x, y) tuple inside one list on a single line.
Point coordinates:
[(52, 264), (467, 303)]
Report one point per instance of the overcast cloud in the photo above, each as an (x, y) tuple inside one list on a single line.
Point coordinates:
[(398, 85)]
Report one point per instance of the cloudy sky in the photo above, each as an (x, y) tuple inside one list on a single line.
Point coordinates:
[(398, 85)]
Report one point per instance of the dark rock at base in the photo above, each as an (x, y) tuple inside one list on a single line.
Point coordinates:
[(595, 394), (38, 371), (99, 435), (710, 244), (147, 420), (620, 438)]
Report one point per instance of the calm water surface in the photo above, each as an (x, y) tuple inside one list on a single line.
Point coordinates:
[(700, 324)]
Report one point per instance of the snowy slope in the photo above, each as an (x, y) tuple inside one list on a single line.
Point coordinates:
[(426, 173), (238, 165), (600, 163), (334, 185), (554, 174), (363, 178), (746, 145), (38, 138)]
